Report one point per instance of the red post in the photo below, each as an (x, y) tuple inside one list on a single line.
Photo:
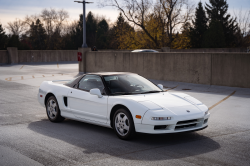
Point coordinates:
[(79, 56)]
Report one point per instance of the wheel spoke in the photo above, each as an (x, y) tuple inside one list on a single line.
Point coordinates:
[(53, 112), (125, 118), (126, 127), (50, 103), (50, 113), (54, 105), (119, 117), (121, 130)]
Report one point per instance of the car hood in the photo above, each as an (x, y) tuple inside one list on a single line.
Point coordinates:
[(166, 101)]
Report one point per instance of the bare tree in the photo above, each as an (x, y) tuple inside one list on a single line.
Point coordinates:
[(28, 20), (53, 19), (176, 13), (54, 24), (16, 27), (171, 13), (243, 20), (135, 12), (62, 15), (50, 18), (70, 27), (159, 14)]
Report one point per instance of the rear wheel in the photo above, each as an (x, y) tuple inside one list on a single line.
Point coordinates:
[(123, 124), (53, 111)]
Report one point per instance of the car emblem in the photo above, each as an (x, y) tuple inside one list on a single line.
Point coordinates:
[(188, 111)]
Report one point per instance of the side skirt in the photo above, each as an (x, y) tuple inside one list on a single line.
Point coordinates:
[(87, 121)]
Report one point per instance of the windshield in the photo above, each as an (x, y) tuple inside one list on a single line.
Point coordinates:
[(129, 84)]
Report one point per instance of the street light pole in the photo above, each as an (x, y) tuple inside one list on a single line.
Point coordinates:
[(84, 45)]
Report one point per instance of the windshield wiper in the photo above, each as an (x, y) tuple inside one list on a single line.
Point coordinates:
[(152, 91)]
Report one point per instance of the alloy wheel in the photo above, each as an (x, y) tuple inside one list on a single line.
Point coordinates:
[(122, 124), (52, 109)]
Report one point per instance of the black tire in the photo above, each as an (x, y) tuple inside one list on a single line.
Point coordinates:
[(53, 111), (123, 125)]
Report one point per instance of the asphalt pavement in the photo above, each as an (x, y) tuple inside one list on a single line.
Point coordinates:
[(27, 137)]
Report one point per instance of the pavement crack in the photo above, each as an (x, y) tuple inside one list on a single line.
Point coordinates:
[(221, 100)]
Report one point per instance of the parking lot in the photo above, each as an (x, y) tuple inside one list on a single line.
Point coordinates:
[(27, 137)]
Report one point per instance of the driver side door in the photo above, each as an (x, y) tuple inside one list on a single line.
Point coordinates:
[(86, 106)]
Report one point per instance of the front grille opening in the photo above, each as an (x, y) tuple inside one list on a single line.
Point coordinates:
[(160, 127), (185, 126), (187, 121), (205, 121)]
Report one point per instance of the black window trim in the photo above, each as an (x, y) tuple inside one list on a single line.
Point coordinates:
[(72, 84), (105, 91)]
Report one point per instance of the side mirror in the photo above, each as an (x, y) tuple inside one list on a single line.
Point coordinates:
[(96, 91), (160, 86)]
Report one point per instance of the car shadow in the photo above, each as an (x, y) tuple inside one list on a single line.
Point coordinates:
[(96, 139)]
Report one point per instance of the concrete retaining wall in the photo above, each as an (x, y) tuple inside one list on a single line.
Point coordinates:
[(211, 50), (226, 69), (198, 50), (4, 57), (110, 50), (230, 69), (14, 56), (31, 56)]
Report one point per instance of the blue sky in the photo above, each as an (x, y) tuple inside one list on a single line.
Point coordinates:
[(12, 9)]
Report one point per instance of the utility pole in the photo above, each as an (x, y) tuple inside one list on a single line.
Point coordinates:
[(84, 45)]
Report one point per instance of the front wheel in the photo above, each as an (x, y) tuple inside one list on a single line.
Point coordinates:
[(123, 124), (53, 111)]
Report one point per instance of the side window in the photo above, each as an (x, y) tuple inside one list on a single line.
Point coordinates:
[(91, 81)]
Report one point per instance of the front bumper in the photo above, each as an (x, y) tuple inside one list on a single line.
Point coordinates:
[(174, 126), (41, 98)]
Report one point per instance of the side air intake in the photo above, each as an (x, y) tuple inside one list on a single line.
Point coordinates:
[(65, 99)]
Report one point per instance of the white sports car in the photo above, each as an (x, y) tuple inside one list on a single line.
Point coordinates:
[(126, 102)]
